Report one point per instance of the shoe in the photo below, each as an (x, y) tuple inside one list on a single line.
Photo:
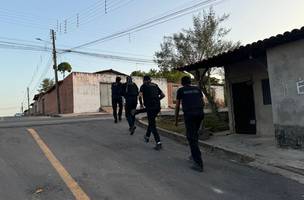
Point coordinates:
[(119, 118), (197, 167), (115, 121), (146, 139), (158, 146), (132, 130)]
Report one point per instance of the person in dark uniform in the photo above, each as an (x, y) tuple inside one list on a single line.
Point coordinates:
[(149, 97), (192, 101), (117, 88), (131, 93)]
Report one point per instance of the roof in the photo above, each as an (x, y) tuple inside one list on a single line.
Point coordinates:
[(111, 71), (255, 49), (52, 88), (37, 96)]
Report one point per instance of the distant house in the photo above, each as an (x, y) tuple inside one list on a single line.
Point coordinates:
[(265, 87), (82, 92)]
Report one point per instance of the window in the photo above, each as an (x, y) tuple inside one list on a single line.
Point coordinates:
[(266, 92)]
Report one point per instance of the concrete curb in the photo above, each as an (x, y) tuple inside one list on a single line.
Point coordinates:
[(209, 148), (233, 155)]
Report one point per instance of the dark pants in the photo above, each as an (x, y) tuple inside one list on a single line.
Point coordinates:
[(193, 123), (152, 114), (117, 101), (128, 108)]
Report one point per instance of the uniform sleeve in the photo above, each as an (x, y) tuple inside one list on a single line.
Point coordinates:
[(200, 92), (159, 91), (179, 94)]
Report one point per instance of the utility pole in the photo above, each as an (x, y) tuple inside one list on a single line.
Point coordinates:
[(106, 7), (28, 101), (22, 107), (56, 70)]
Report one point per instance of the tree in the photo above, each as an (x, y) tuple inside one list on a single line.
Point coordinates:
[(64, 67), (204, 40), (171, 76), (46, 85)]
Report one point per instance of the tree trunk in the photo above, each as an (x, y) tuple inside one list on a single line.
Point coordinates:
[(211, 101), (204, 83)]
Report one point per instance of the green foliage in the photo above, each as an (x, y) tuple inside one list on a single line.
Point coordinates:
[(64, 67), (171, 76), (46, 85), (205, 39)]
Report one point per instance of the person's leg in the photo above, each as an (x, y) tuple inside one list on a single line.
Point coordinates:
[(192, 123), (128, 115), (114, 106), (120, 108), (132, 117), (152, 114)]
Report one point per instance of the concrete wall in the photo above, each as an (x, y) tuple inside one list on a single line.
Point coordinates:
[(255, 71), (286, 68), (218, 93), (86, 88), (162, 84)]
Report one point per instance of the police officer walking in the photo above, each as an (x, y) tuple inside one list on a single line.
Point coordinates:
[(117, 88), (192, 101), (131, 96), (150, 96)]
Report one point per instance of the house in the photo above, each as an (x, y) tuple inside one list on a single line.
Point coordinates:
[(265, 87), (82, 92)]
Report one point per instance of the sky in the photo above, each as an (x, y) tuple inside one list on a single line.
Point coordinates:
[(250, 20)]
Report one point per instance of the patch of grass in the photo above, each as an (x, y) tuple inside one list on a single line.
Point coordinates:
[(211, 122)]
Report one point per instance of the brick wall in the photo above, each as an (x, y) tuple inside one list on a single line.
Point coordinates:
[(66, 97)]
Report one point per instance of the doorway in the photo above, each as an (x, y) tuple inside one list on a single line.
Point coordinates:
[(244, 108), (105, 95)]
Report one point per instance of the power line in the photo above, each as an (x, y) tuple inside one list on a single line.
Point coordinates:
[(27, 20), (46, 70), (91, 13), (112, 57), (148, 24)]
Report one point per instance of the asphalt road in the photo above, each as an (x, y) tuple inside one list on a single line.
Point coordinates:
[(108, 163)]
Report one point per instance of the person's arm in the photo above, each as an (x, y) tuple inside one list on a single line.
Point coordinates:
[(177, 108), (161, 94), (177, 105), (141, 100)]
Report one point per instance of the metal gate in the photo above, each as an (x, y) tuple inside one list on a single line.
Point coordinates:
[(105, 95)]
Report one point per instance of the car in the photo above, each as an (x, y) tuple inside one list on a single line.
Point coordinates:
[(18, 115)]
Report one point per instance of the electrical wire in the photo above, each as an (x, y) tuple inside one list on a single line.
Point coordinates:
[(148, 24), (112, 57)]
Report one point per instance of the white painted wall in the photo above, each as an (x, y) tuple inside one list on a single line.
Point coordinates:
[(162, 84), (86, 88)]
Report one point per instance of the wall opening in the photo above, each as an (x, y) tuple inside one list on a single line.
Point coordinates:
[(244, 108)]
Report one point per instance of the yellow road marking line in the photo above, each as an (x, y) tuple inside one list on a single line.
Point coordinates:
[(78, 193)]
